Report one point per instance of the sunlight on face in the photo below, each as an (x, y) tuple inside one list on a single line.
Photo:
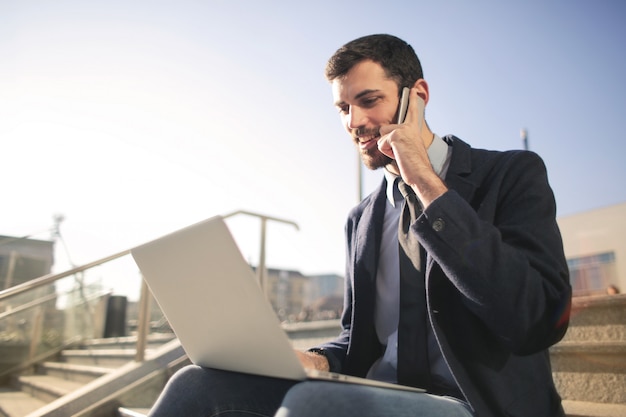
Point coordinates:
[(366, 99)]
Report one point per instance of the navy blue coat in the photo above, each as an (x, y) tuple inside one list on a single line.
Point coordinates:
[(497, 283)]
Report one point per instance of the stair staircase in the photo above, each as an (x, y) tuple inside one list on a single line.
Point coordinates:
[(100, 378), (97, 378), (589, 364)]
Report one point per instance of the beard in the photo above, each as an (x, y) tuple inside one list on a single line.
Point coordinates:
[(372, 158)]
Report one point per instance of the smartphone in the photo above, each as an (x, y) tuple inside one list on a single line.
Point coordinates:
[(404, 105)]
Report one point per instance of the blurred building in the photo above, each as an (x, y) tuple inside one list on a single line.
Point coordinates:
[(595, 248), (286, 290), (324, 297), (322, 286), (23, 259), (297, 297)]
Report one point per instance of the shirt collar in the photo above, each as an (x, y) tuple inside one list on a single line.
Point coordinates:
[(438, 156)]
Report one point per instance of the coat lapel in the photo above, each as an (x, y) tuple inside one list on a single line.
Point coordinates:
[(368, 235)]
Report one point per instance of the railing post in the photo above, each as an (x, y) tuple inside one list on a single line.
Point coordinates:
[(36, 332), (261, 273), (143, 321), (10, 270)]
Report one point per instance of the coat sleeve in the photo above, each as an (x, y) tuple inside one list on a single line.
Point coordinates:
[(503, 253), (336, 350)]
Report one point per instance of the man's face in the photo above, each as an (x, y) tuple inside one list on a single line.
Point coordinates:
[(366, 99)]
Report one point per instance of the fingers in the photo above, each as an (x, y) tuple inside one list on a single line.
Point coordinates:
[(394, 135), (384, 146)]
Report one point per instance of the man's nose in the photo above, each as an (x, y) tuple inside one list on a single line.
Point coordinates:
[(356, 118)]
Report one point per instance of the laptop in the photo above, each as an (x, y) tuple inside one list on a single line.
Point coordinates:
[(215, 306)]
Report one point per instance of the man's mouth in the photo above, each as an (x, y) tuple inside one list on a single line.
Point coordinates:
[(366, 139), (364, 136)]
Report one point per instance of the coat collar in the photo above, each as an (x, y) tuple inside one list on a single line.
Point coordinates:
[(369, 228), (458, 177)]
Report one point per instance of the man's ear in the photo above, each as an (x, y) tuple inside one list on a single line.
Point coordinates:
[(422, 89)]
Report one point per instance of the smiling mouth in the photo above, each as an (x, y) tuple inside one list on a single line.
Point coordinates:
[(367, 138), (363, 135)]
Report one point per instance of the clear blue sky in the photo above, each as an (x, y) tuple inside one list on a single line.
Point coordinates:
[(134, 118)]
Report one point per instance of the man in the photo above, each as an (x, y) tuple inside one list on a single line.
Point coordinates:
[(486, 248)]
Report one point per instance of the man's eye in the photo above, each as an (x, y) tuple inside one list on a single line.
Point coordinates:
[(369, 101), (343, 109)]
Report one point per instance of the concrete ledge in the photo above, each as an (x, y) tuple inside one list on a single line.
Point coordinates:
[(588, 409), (126, 412), (305, 335), (598, 301), (592, 347), (313, 329)]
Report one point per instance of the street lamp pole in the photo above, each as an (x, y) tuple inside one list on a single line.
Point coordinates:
[(524, 136)]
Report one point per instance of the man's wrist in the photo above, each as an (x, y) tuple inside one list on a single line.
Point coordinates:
[(429, 191), (329, 359), (319, 360)]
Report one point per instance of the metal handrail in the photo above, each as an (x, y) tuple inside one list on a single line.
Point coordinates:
[(144, 302), (28, 305), (47, 279), (261, 273), (32, 357)]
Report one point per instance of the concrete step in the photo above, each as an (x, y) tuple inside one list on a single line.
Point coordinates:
[(133, 385), (45, 387), (106, 358), (72, 372), (609, 356), (15, 403), (597, 318), (128, 342), (589, 364), (590, 371), (50, 380)]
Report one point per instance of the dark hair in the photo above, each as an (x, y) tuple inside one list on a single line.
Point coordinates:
[(397, 58)]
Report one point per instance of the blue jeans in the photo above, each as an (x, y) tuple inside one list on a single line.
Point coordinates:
[(199, 392)]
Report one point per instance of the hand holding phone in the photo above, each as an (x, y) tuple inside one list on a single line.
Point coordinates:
[(404, 143), (411, 117)]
